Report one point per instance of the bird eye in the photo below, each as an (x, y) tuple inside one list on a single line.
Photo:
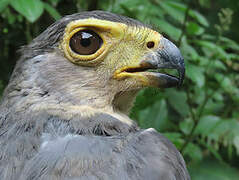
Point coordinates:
[(150, 44), (85, 42)]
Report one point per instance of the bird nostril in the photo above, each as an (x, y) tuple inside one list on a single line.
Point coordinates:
[(150, 44)]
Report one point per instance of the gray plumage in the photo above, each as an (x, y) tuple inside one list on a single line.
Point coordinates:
[(50, 131)]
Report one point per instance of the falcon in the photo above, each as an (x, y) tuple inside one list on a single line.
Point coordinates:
[(64, 113)]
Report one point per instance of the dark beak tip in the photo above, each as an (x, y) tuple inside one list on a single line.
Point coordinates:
[(172, 55)]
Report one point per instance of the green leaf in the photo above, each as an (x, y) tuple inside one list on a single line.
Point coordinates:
[(186, 126), (232, 56), (30, 9), (177, 5), (178, 100), (3, 4), (213, 47), (169, 29), (193, 151), (196, 74), (204, 61), (54, 2), (215, 153), (218, 96), (194, 29), (11, 18), (162, 119), (236, 143), (205, 3), (230, 43), (188, 50), (134, 9), (208, 44), (227, 84), (154, 116), (52, 11), (173, 11), (213, 106), (144, 99), (200, 18), (206, 125), (175, 138), (219, 65), (211, 169), (198, 95), (227, 130)]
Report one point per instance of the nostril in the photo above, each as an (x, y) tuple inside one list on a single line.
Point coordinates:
[(150, 44)]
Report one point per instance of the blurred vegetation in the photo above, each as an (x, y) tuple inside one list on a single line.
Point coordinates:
[(202, 117)]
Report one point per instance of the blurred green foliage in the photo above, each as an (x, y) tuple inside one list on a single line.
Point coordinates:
[(202, 117)]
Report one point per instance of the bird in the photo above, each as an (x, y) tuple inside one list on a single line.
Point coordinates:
[(64, 113)]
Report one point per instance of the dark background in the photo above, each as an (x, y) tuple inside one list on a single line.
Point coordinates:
[(202, 118)]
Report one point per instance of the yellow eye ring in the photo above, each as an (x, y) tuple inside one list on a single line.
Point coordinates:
[(79, 58)]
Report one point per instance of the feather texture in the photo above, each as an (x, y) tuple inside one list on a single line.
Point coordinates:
[(60, 121)]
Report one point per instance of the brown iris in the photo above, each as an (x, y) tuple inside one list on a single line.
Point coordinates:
[(85, 42)]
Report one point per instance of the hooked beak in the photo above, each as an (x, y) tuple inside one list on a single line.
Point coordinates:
[(166, 56)]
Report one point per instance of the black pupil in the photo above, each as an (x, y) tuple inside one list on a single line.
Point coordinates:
[(85, 42)]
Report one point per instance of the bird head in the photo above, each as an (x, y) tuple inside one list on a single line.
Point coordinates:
[(97, 59)]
